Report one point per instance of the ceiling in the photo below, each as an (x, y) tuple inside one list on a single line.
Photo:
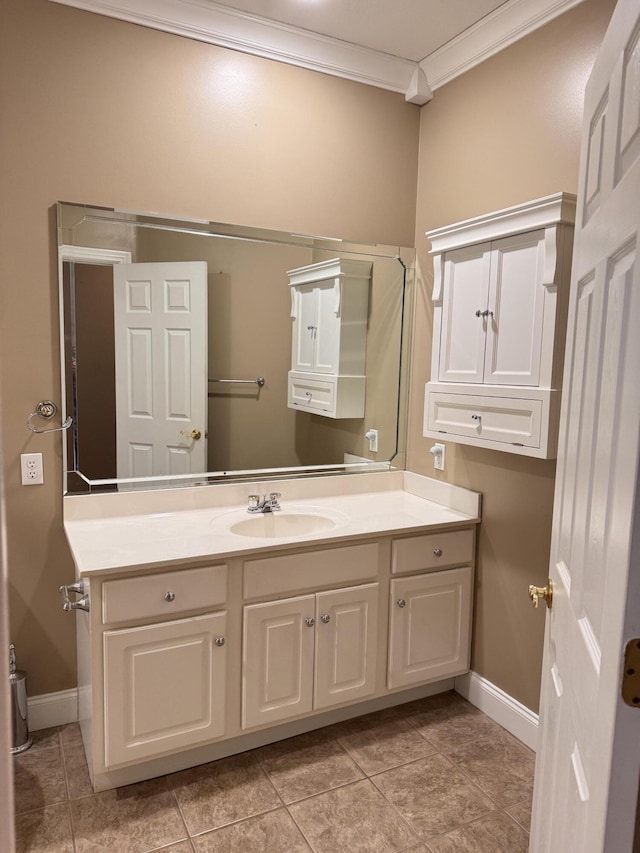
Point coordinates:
[(408, 46)]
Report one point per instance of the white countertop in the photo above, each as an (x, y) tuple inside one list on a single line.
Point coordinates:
[(377, 504)]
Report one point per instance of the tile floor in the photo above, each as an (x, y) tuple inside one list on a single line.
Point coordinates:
[(432, 776)]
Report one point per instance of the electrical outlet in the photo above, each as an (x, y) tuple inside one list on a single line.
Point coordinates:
[(31, 468), (438, 452), (372, 436)]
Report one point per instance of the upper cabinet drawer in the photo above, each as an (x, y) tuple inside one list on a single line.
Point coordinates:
[(504, 420), (312, 394), (163, 595), (432, 551)]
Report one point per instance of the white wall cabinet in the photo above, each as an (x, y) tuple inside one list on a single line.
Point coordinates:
[(329, 305), (500, 294), (308, 653)]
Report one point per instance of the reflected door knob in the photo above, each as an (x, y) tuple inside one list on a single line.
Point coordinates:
[(195, 434), (541, 592)]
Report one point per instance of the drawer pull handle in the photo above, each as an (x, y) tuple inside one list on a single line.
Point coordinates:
[(479, 313), (170, 596), (476, 417), (401, 602), (309, 621), (437, 552), (325, 618), (219, 641)]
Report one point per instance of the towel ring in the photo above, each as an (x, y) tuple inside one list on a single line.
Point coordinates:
[(46, 409)]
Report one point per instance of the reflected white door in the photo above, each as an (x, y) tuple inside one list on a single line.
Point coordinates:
[(160, 314), (589, 756)]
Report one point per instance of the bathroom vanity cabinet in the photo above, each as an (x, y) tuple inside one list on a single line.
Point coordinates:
[(329, 308), (188, 662), (501, 287)]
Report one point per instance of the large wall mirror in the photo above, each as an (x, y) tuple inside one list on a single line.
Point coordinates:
[(212, 337)]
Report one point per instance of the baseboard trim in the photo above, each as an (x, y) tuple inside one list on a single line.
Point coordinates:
[(52, 709), (504, 709)]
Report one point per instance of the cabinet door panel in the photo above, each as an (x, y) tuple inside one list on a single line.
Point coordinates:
[(429, 633), (304, 327), (164, 688), (327, 333), (463, 334), (277, 677), (346, 645), (516, 297)]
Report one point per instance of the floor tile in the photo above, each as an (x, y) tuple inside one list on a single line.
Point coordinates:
[(134, 819), (451, 725), (355, 818), (379, 747), (45, 739), (222, 792), (38, 779), (44, 831), (497, 833), (305, 765), (432, 795), (76, 772), (273, 832), (70, 735), (522, 813), (181, 847), (500, 765)]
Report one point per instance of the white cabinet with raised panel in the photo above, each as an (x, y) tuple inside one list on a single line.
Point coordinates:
[(308, 652), (329, 305), (500, 293)]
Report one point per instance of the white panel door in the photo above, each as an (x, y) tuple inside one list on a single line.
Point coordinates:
[(464, 301), (327, 333), (160, 313), (304, 328), (589, 756), (277, 664), (516, 308), (430, 627), (346, 645), (164, 688)]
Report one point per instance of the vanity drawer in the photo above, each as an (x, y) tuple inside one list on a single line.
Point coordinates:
[(432, 551), (163, 595), (311, 394), (330, 396), (292, 573)]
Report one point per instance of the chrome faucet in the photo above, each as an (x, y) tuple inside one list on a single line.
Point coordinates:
[(264, 503)]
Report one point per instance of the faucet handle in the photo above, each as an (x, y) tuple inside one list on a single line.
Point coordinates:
[(253, 500), (275, 496)]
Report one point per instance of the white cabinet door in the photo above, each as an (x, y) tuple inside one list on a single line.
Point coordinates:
[(164, 688), (327, 333), (465, 299), (516, 306), (430, 627), (304, 328), (346, 645), (277, 670)]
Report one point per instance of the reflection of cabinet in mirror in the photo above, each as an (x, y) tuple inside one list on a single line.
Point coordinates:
[(500, 296), (329, 304)]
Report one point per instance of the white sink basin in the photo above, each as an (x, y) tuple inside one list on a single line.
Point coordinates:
[(282, 525)]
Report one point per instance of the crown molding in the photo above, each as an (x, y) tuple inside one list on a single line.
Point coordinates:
[(220, 25), (506, 25)]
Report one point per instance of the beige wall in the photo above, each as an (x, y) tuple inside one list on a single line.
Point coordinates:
[(503, 133), (101, 111)]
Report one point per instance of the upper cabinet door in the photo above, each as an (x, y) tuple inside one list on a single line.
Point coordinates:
[(465, 299), (516, 306), (327, 331), (304, 328)]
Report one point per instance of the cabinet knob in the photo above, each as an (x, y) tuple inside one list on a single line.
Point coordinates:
[(169, 596), (479, 313), (309, 621), (325, 618), (401, 602), (219, 641), (311, 328), (476, 417), (437, 552)]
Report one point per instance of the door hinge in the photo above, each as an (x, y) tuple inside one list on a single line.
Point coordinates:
[(631, 676)]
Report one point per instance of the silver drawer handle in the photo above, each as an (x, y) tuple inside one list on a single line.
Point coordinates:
[(325, 618), (219, 641), (437, 552), (309, 621), (401, 602), (476, 417), (170, 596)]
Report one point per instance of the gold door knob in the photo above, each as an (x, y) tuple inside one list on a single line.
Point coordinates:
[(541, 592), (195, 434)]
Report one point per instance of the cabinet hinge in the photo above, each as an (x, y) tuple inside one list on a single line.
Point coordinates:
[(631, 676)]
